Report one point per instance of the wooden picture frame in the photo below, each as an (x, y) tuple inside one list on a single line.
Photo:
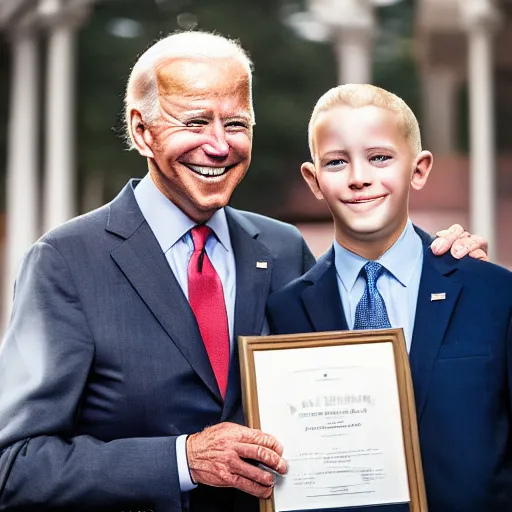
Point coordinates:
[(249, 346)]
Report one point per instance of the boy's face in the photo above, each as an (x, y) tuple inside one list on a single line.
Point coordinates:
[(363, 168)]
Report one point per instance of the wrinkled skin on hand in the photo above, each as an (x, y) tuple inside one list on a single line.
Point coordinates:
[(460, 243), (216, 457)]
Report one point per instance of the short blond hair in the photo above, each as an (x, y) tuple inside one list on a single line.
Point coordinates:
[(362, 95), (142, 88)]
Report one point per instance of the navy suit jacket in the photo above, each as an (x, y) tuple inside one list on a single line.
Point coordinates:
[(103, 364), (461, 364)]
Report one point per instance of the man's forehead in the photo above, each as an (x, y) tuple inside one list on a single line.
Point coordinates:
[(202, 77), (176, 105)]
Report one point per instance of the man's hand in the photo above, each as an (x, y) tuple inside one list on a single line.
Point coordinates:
[(216, 457), (460, 242)]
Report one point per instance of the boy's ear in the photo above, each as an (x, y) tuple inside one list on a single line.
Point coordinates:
[(422, 168), (309, 174)]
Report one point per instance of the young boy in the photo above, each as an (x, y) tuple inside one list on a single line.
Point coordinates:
[(380, 273)]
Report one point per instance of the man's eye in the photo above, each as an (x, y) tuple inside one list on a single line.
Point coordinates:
[(236, 124), (196, 122), (380, 158)]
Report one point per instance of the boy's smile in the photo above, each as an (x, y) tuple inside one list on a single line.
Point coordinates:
[(363, 168), (363, 200)]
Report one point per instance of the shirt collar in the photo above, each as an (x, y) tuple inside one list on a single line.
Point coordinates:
[(400, 259), (168, 223)]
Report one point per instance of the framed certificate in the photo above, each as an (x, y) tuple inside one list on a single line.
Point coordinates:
[(342, 405)]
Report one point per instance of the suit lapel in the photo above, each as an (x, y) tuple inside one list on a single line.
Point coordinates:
[(143, 263), (252, 289), (439, 275), (252, 282), (322, 298)]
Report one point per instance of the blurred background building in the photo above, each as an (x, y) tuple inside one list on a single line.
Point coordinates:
[(64, 65)]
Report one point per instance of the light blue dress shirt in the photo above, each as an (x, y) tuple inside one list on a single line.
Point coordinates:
[(398, 286), (171, 228)]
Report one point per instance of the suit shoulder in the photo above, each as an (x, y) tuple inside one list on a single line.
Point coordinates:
[(268, 224), (485, 269), (79, 229), (486, 279)]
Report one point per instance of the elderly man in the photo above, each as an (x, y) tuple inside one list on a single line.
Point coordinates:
[(119, 378)]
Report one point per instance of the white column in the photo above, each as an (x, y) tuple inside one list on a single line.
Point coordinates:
[(22, 160), (482, 155), (354, 52), (440, 109), (59, 187), (351, 24), (481, 19)]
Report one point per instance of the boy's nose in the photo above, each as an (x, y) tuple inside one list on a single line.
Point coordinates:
[(360, 176)]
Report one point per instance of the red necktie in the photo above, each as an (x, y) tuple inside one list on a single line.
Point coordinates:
[(206, 299)]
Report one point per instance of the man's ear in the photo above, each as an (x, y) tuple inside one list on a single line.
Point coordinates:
[(309, 174), (141, 136), (422, 168)]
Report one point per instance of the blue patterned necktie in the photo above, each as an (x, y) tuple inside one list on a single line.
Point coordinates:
[(371, 311)]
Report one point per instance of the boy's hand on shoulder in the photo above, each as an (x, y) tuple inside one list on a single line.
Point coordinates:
[(460, 243)]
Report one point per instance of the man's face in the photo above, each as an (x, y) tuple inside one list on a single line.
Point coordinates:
[(364, 166), (201, 146)]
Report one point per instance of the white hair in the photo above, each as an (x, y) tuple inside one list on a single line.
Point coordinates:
[(142, 88), (361, 95)]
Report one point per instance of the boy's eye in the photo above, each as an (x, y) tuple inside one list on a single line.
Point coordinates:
[(380, 158), (336, 162)]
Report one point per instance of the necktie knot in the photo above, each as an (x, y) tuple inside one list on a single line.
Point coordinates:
[(199, 236), (373, 270)]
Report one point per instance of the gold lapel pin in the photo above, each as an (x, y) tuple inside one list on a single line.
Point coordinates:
[(261, 264), (437, 296)]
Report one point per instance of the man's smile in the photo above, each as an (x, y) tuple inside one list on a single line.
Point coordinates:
[(209, 171)]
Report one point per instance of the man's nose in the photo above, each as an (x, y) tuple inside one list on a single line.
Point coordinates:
[(217, 145)]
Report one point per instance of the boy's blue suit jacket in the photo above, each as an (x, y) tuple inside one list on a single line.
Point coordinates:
[(461, 363)]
